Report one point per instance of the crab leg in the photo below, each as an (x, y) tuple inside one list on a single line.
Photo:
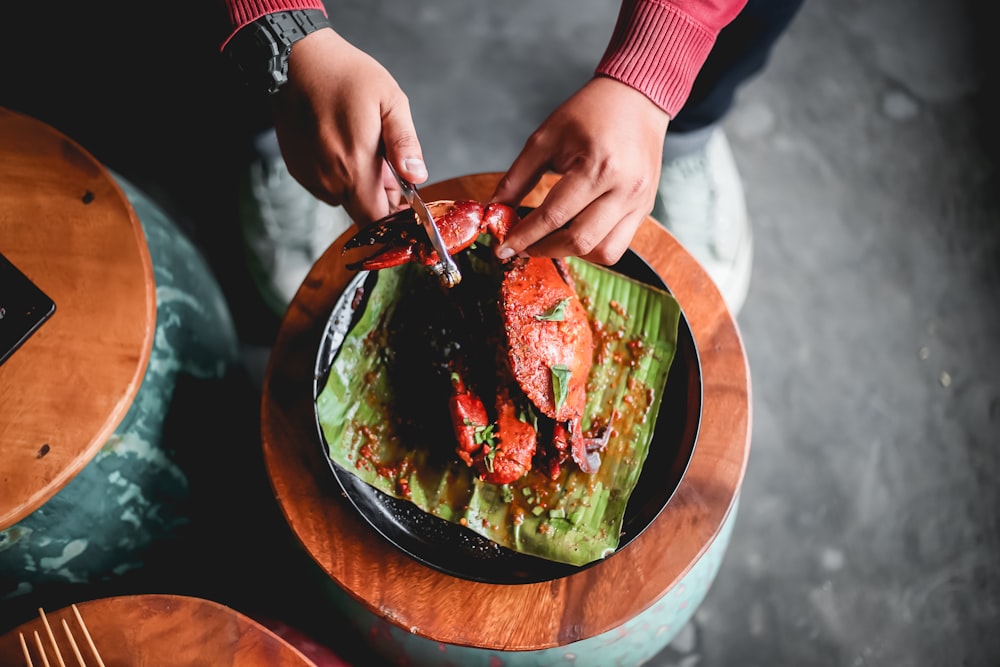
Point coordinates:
[(468, 418), (401, 239), (500, 451), (509, 457)]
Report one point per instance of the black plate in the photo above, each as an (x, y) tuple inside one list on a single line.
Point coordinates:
[(460, 552)]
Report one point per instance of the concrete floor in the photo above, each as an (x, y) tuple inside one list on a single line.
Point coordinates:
[(869, 526)]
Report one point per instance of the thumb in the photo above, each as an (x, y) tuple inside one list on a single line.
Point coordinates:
[(402, 148)]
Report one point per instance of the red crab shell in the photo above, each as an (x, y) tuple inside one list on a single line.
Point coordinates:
[(546, 331)]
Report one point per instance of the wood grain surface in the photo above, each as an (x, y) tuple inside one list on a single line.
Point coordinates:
[(66, 224), (518, 617), (161, 630)]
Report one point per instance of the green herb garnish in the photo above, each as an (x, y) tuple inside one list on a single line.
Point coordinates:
[(483, 435), (560, 384), (556, 313)]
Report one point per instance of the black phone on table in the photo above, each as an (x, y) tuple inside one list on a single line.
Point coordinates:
[(23, 308)]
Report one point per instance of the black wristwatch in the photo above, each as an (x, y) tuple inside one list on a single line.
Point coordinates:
[(260, 49)]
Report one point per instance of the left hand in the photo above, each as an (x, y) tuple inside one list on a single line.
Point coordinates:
[(607, 142)]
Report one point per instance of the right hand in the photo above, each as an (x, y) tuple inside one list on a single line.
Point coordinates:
[(338, 112), (607, 142)]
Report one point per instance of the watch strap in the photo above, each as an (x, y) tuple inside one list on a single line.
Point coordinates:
[(260, 50)]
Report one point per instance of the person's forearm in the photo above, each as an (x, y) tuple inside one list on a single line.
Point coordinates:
[(659, 46), (242, 12)]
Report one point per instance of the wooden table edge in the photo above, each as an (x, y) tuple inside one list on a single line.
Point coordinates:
[(90, 610)]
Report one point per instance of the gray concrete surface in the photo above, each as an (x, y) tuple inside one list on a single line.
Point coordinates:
[(869, 525)]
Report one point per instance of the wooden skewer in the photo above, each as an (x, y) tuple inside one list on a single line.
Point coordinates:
[(52, 637), (72, 643), (55, 646), (24, 649), (86, 634), (41, 650)]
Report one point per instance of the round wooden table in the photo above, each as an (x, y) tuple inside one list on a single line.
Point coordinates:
[(87, 481), (66, 224), (625, 608), (162, 630)]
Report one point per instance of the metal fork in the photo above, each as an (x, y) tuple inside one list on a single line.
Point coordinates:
[(55, 646)]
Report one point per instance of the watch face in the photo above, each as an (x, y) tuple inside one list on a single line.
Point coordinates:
[(23, 308)]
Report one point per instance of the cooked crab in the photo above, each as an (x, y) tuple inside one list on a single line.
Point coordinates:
[(544, 353)]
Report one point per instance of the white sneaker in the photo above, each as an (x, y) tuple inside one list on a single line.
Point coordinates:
[(703, 205), (285, 229)]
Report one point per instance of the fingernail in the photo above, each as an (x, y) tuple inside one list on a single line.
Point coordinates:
[(415, 167), (505, 253)]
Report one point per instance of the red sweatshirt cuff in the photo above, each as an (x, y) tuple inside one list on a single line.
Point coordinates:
[(242, 12), (658, 49)]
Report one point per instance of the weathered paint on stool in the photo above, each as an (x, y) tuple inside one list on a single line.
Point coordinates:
[(133, 494), (633, 643)]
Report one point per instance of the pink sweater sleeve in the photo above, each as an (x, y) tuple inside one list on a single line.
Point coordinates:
[(242, 12), (658, 46)]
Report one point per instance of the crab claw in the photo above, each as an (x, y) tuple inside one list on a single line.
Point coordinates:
[(468, 418), (401, 239), (394, 236), (500, 451), (509, 456)]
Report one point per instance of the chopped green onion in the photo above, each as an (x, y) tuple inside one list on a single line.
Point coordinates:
[(537, 510), (483, 435), (557, 513)]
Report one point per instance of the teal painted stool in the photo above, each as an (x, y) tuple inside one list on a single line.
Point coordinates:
[(120, 489), (633, 643), (621, 611)]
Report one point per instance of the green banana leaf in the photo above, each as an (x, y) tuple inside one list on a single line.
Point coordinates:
[(383, 412)]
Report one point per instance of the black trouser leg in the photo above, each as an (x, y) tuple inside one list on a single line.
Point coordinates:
[(741, 51)]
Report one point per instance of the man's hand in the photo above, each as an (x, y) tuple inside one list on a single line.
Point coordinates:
[(607, 142), (339, 113)]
